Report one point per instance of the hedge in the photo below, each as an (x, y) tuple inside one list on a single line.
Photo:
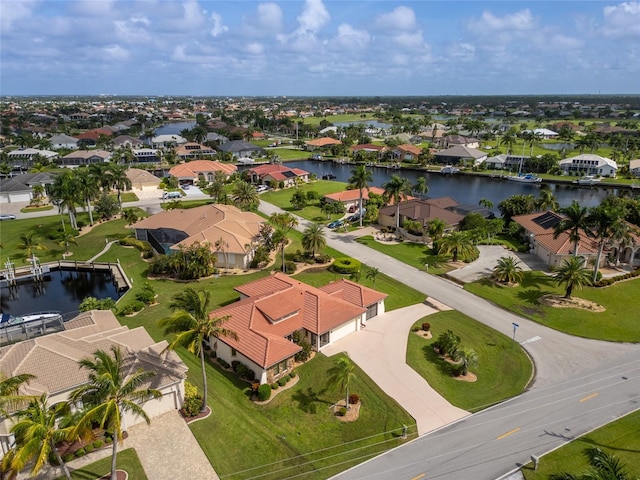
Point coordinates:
[(264, 392), (346, 265)]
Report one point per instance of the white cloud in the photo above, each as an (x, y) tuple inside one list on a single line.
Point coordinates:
[(116, 52), (265, 21), (409, 40), (489, 23), (15, 11), (351, 39), (314, 16), (622, 20), (401, 18), (133, 30), (254, 48), (218, 28), (194, 16), (92, 8)]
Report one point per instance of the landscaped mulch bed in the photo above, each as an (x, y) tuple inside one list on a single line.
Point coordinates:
[(200, 416), (120, 475)]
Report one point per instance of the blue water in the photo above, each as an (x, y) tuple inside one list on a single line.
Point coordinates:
[(63, 290), (366, 123), (174, 128), (465, 189)]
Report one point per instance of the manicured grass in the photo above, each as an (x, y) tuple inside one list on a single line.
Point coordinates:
[(282, 199), (617, 324), (36, 209), (415, 254), (619, 438), (346, 117), (503, 369), (296, 432), (287, 154), (186, 203), (127, 460), (127, 197)]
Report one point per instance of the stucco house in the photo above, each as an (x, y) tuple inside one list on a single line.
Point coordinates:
[(459, 154), (191, 150), (590, 164), (351, 198), (274, 174), (406, 152), (233, 230), (19, 188), (634, 167), (63, 141), (27, 156), (321, 143), (190, 171), (422, 211), (449, 141), (507, 162), (142, 180), (271, 309), (84, 157), (240, 148), (53, 359)]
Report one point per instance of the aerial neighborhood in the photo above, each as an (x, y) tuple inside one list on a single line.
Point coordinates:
[(290, 286)]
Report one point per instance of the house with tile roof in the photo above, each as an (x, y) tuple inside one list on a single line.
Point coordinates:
[(321, 143), (423, 211), (191, 150), (271, 309), (448, 141), (19, 188), (273, 174), (27, 156), (224, 225), (142, 180), (190, 171), (63, 141), (406, 152), (84, 157), (351, 198), (53, 359), (459, 154), (240, 148)]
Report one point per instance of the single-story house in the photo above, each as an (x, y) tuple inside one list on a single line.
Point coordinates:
[(84, 157), (63, 141), (507, 162), (126, 141), (423, 211), (216, 138), (274, 174), (190, 171), (271, 309), (191, 150), (634, 167), (449, 141), (27, 156), (590, 164), (351, 198), (146, 155), (234, 231), (321, 143), (459, 154), (142, 180), (240, 148), (538, 231), (406, 152), (19, 188), (167, 141), (543, 133), (53, 359)]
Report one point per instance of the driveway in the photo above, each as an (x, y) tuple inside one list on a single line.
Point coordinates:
[(380, 351)]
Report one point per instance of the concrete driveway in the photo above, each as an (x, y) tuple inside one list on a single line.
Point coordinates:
[(486, 262), (380, 350)]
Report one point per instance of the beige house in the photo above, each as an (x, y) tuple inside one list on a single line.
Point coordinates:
[(230, 232), (142, 180), (53, 359)]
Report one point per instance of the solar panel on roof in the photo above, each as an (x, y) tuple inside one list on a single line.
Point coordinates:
[(288, 174), (547, 220)]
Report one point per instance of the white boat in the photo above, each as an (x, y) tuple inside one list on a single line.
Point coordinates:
[(528, 178), (17, 328), (449, 170), (587, 180)]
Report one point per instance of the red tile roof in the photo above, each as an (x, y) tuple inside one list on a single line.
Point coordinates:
[(352, 195), (195, 167), (323, 142)]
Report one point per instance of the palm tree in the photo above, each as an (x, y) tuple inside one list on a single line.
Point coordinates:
[(547, 200), (508, 270), (467, 356), (245, 196), (112, 391), (119, 180), (606, 222), (604, 466), (360, 178), (573, 275), (508, 138), (37, 432), (67, 238), (221, 246), (436, 228), (9, 388), (574, 221), (283, 223), (421, 186), (342, 375), (193, 326), (397, 189), (88, 188), (486, 203), (66, 194), (313, 239), (130, 215), (372, 274), (29, 242), (456, 244)]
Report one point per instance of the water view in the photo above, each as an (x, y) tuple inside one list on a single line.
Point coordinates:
[(63, 290), (174, 128)]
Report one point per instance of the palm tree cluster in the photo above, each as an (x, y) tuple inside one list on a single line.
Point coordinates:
[(112, 391), (602, 466)]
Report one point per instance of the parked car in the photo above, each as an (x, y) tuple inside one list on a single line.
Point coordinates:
[(166, 195), (336, 224), (262, 188), (7, 216)]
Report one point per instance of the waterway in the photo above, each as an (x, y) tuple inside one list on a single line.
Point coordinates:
[(63, 290), (174, 128), (465, 189)]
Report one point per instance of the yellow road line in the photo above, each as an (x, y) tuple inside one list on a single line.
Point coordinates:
[(508, 433), (418, 477), (589, 397)]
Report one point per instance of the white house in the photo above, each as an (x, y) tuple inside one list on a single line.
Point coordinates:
[(590, 164), (63, 141)]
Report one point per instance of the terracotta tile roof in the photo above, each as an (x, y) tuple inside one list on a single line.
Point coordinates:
[(407, 148), (53, 358), (354, 292), (368, 147), (424, 211), (88, 154), (195, 167), (323, 142), (352, 195), (272, 169), (192, 149)]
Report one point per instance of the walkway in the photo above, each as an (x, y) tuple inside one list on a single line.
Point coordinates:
[(380, 350)]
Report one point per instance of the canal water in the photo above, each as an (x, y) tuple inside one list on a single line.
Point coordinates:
[(63, 290), (465, 189)]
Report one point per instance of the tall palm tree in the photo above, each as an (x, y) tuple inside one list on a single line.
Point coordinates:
[(66, 194), (508, 270), (67, 238), (283, 223), (372, 274), (360, 178), (342, 374), (508, 138), (118, 179), (574, 221), (222, 245), (397, 189), (112, 391), (604, 466), (421, 186), (37, 432), (436, 228), (9, 391), (245, 196), (88, 187), (313, 239), (606, 222), (573, 275), (547, 200), (193, 326), (457, 244)]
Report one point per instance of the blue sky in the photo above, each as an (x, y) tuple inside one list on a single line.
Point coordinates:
[(318, 47)]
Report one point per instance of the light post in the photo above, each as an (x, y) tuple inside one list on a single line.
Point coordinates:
[(515, 327)]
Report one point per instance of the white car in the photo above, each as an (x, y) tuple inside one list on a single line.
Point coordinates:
[(262, 188)]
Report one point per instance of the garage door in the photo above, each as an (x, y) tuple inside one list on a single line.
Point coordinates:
[(372, 310)]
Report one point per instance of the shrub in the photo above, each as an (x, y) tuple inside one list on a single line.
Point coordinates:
[(108, 440), (68, 457), (282, 382), (346, 265), (289, 267), (342, 412), (298, 257), (133, 307), (192, 405), (190, 389), (299, 338), (426, 326), (415, 329), (98, 444), (223, 363), (293, 374), (275, 386), (80, 452), (323, 258), (264, 392), (147, 295), (353, 399), (89, 448)]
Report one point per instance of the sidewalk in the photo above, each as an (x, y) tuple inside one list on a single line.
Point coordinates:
[(380, 350)]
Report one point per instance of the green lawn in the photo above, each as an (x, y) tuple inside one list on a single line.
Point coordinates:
[(346, 117), (619, 438), (287, 154), (44, 208), (282, 199), (617, 324), (127, 460), (415, 254), (127, 197), (296, 432), (503, 369)]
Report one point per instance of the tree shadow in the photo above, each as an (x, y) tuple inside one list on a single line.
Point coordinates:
[(432, 357), (531, 296), (308, 400), (604, 446), (531, 281)]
